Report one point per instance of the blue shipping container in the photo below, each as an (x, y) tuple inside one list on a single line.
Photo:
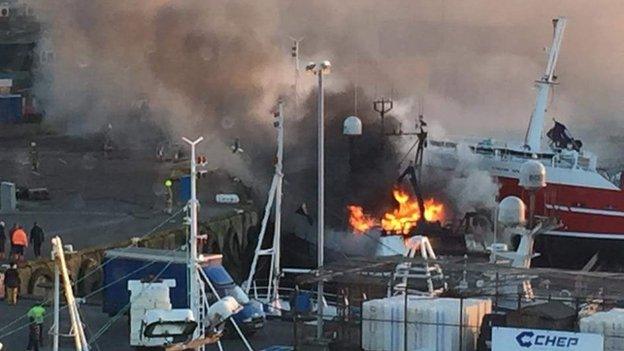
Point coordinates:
[(10, 108), (120, 270), (137, 263)]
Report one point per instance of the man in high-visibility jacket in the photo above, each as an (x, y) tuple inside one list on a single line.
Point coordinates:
[(19, 240), (37, 314)]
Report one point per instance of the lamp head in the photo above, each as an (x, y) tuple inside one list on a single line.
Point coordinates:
[(325, 67), (221, 310)]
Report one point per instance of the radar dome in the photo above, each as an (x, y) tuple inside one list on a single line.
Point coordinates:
[(512, 211), (532, 175), (352, 126)]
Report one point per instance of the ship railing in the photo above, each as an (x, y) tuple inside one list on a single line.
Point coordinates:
[(501, 152), (261, 293)]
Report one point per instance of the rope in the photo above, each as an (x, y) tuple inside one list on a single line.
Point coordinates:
[(97, 346), (408, 152)]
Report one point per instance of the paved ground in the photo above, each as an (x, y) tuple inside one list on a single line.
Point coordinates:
[(96, 199), (13, 334), (112, 197)]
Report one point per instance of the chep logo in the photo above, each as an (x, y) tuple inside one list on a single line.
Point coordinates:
[(524, 339), (528, 339)]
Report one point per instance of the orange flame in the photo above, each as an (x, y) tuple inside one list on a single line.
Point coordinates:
[(359, 221), (404, 218), (400, 220)]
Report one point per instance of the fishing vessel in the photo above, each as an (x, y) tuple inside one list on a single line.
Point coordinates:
[(589, 206)]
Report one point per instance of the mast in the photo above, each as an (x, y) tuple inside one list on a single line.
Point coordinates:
[(275, 194), (533, 137), (193, 278)]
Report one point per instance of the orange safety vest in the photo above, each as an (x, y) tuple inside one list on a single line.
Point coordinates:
[(20, 238)]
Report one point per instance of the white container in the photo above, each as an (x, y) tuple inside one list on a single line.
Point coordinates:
[(610, 324), (147, 296), (8, 199), (432, 323)]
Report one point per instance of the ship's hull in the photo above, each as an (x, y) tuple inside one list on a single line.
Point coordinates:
[(584, 212), (589, 207), (592, 221)]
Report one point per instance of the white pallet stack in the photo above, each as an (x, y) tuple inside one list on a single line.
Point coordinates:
[(610, 324), (432, 323)]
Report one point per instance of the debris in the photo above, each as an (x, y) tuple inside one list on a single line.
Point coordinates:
[(303, 211), (236, 147)]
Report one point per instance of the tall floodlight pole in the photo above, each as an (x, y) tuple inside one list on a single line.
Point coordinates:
[(320, 69), (193, 274)]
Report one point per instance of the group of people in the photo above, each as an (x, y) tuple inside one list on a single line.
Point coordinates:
[(19, 240)]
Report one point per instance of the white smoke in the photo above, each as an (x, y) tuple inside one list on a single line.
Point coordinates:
[(471, 187)]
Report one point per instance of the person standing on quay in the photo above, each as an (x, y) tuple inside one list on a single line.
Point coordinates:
[(36, 238)]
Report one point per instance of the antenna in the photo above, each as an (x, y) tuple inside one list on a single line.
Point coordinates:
[(355, 99), (275, 195), (383, 106), (294, 53)]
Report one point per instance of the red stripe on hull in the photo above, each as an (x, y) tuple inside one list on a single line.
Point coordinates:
[(570, 204)]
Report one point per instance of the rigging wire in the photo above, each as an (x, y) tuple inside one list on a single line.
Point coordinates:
[(125, 308)]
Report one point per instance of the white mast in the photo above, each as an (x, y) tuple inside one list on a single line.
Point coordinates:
[(193, 274), (533, 136), (275, 193)]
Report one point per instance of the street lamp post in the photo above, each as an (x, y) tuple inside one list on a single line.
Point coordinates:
[(320, 69)]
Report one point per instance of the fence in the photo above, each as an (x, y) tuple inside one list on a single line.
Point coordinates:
[(457, 330), (536, 299)]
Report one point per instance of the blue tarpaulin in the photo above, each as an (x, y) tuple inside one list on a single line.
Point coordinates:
[(185, 189), (10, 108)]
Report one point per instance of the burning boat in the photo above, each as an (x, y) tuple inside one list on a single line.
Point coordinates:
[(589, 206), (412, 216), (399, 220)]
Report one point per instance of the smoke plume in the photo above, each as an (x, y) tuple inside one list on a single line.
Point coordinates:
[(216, 68)]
